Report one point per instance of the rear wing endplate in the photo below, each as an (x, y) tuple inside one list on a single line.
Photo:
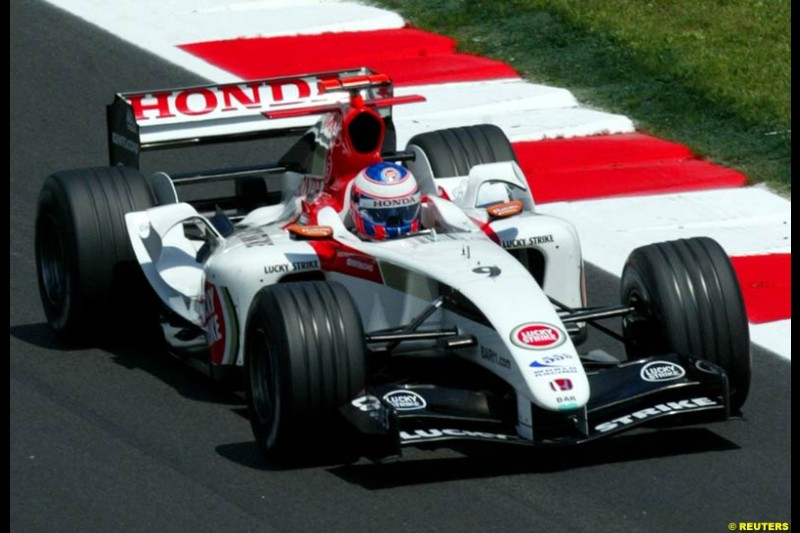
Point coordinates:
[(173, 118)]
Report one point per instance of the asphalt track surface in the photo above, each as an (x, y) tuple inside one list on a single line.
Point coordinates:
[(123, 438)]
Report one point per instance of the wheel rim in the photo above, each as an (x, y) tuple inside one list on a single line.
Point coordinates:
[(640, 328), (52, 262), (264, 384)]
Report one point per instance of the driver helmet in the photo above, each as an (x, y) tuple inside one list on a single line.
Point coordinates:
[(385, 202)]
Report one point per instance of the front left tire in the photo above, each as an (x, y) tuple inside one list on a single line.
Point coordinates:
[(304, 358)]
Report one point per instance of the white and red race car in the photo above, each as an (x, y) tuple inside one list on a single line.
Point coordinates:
[(466, 329)]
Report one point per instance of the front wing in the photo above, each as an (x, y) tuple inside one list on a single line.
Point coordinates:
[(667, 390)]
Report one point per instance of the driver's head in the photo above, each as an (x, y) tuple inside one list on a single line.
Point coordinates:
[(385, 202)]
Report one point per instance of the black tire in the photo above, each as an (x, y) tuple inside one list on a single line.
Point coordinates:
[(304, 358), (454, 151), (688, 300), (88, 275)]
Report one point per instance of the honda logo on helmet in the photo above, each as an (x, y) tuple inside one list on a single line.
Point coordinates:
[(389, 202)]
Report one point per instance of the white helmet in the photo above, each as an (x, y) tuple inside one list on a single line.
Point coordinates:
[(385, 201)]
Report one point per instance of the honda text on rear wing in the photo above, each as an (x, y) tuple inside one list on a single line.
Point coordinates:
[(251, 109)]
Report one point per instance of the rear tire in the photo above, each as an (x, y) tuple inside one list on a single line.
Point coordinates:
[(454, 151), (304, 358), (687, 300), (89, 279)]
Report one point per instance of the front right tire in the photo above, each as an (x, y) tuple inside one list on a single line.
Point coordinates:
[(687, 300)]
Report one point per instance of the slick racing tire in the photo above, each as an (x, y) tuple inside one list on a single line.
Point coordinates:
[(687, 300), (304, 358), (88, 275), (454, 151)]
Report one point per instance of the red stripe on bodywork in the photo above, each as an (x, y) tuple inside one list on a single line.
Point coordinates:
[(337, 257), (616, 165), (215, 327), (408, 55), (487, 229), (766, 282)]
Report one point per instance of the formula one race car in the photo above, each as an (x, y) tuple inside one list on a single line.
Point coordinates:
[(450, 311)]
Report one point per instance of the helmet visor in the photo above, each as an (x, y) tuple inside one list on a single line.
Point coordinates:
[(391, 217), (389, 212)]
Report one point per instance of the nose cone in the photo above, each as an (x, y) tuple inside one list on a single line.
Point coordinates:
[(557, 380)]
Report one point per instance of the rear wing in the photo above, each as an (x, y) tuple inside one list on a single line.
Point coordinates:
[(173, 118)]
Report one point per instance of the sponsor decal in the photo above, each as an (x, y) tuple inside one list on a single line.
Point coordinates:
[(291, 267), (540, 370), (367, 403), (492, 271), (331, 126), (566, 402), (537, 336), (372, 406), (308, 186), (554, 364), (557, 358), (305, 265), (255, 238), (705, 366), (383, 203), (487, 354), (657, 410), (337, 257), (130, 123), (405, 400), (277, 269), (658, 371), (220, 100), (309, 231), (561, 384), (505, 209), (432, 434), (525, 243), (215, 324), (359, 264), (124, 143)]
